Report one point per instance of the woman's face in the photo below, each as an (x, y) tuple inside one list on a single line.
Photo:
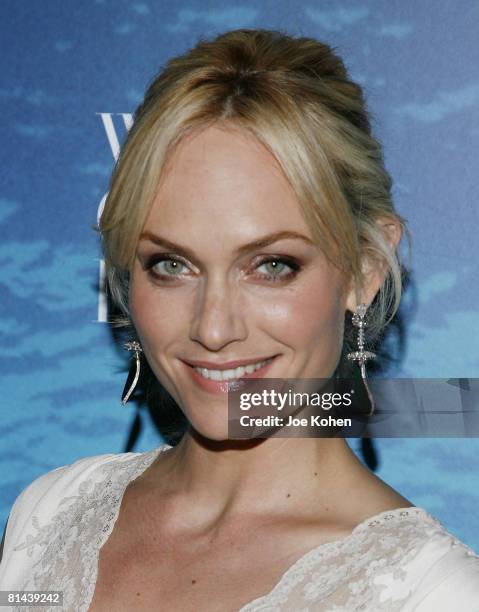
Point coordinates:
[(226, 271)]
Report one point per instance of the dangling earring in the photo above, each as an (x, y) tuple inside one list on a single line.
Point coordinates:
[(133, 374), (361, 356)]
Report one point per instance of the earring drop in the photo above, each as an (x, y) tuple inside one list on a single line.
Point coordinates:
[(134, 373), (361, 356)]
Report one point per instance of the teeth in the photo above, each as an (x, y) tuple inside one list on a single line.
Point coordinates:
[(231, 374)]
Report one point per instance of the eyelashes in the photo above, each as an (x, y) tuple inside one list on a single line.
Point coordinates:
[(281, 263), (175, 265), (279, 268)]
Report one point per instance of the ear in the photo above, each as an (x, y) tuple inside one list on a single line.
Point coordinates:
[(374, 272)]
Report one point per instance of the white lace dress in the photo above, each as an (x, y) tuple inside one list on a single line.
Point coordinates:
[(401, 560)]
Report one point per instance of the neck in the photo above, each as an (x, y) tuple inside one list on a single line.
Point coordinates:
[(220, 480)]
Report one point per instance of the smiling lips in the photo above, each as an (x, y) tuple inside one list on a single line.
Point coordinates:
[(216, 378)]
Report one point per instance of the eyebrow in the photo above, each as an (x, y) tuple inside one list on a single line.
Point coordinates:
[(259, 243)]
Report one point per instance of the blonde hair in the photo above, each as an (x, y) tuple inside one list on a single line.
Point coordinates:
[(294, 95)]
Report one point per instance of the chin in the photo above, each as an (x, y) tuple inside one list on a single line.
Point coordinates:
[(209, 434), (213, 428)]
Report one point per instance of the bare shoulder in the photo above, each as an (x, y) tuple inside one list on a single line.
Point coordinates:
[(370, 495), (384, 494)]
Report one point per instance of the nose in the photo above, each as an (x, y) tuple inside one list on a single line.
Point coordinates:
[(218, 319)]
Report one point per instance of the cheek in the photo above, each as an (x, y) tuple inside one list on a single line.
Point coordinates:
[(322, 313), (309, 312), (155, 314)]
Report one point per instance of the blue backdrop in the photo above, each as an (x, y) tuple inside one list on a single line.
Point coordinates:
[(72, 74)]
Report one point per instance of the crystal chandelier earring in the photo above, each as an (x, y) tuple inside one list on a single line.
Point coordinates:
[(361, 356), (134, 373)]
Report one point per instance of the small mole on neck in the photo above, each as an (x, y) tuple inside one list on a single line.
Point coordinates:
[(137, 594), (315, 473), (289, 495), (193, 581)]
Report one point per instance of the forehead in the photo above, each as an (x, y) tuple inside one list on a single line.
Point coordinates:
[(226, 174)]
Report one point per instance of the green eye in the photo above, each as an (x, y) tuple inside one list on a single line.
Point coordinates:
[(172, 266), (274, 267), (278, 269), (168, 267)]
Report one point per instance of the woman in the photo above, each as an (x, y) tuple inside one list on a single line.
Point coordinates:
[(249, 215)]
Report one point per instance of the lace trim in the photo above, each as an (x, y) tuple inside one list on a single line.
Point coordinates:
[(75, 534), (296, 572), (91, 575)]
